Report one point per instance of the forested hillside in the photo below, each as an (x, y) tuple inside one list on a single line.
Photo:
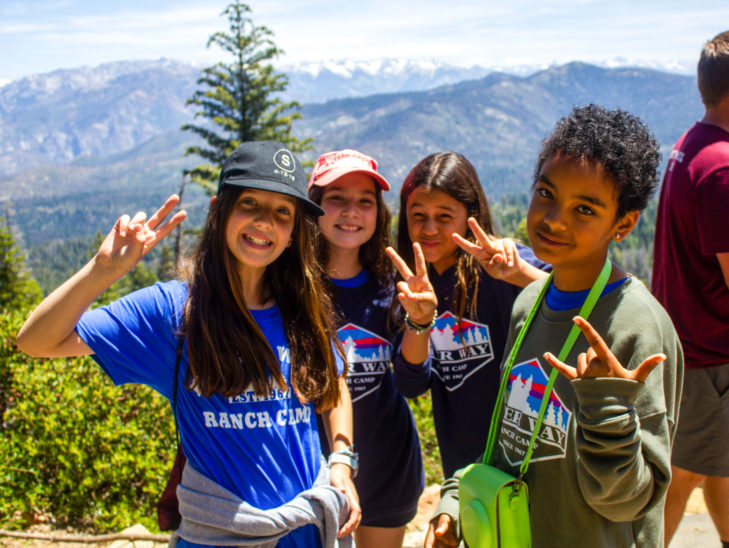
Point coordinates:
[(497, 121)]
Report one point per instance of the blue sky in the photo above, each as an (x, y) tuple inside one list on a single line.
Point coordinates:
[(38, 37)]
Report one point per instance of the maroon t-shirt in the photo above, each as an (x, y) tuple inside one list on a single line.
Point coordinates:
[(691, 228)]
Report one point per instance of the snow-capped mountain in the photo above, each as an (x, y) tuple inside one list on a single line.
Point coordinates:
[(56, 117), (315, 82)]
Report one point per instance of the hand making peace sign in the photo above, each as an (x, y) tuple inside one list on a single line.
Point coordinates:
[(415, 292), (599, 361), (498, 256), (131, 239)]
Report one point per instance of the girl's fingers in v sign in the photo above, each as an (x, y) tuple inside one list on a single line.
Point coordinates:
[(399, 263), (158, 216), (160, 231), (469, 247), (421, 269), (415, 292), (485, 249), (486, 240)]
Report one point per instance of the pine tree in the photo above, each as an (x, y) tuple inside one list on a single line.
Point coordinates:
[(240, 99), (17, 288), (166, 268)]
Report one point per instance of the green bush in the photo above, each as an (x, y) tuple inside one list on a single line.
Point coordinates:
[(75, 448), (422, 408)]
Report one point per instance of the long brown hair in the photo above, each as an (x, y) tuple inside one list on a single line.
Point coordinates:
[(372, 254), (452, 173), (227, 349)]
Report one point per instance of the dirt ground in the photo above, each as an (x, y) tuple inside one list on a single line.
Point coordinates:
[(694, 531)]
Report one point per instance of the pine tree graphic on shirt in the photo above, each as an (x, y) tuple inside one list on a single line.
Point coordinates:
[(369, 357), (526, 386), (460, 349)]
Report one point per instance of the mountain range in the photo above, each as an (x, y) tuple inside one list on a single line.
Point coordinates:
[(497, 121), (78, 147)]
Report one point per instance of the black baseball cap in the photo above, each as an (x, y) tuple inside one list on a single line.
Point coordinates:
[(267, 165)]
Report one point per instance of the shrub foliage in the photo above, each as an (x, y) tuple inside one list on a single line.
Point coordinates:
[(422, 408), (75, 448)]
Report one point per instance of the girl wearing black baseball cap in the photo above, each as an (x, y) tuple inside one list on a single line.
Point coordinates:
[(242, 350)]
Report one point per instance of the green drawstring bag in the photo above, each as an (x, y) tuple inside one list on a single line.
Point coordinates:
[(493, 505)]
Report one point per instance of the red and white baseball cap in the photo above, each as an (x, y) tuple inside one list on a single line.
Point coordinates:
[(330, 166)]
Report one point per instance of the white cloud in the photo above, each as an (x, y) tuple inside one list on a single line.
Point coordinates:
[(463, 32), (25, 28)]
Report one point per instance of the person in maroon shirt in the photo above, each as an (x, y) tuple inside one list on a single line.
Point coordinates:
[(691, 280)]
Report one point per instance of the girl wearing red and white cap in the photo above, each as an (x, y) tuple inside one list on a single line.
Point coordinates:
[(354, 248)]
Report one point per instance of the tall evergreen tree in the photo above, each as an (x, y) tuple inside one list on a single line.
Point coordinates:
[(17, 288), (240, 99)]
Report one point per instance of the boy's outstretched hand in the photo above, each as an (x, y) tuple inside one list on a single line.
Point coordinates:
[(599, 361), (131, 239), (415, 293)]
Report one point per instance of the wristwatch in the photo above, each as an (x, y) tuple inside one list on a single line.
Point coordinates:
[(346, 456)]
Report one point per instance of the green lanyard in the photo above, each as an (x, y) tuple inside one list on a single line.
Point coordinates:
[(585, 310)]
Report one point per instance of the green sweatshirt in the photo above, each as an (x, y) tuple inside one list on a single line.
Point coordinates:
[(601, 465)]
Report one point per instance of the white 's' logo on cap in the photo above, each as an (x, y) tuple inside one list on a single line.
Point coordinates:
[(284, 160)]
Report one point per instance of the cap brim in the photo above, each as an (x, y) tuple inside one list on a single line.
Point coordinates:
[(334, 174), (275, 186)]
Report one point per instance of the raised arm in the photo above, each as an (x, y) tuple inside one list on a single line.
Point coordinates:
[(411, 364), (417, 297), (49, 331)]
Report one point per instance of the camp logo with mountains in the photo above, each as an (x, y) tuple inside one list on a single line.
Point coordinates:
[(460, 349), (526, 385), (369, 357)]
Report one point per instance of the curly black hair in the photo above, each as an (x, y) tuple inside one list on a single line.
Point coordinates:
[(615, 139)]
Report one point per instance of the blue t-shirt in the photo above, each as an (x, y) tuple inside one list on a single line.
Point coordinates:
[(264, 449), (567, 300)]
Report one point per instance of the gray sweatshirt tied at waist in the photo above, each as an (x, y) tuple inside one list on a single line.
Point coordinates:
[(213, 515)]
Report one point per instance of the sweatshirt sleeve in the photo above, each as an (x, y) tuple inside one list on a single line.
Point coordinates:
[(625, 428), (624, 464), (411, 379), (449, 501)]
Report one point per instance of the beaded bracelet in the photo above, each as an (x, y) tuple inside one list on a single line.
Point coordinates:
[(416, 327)]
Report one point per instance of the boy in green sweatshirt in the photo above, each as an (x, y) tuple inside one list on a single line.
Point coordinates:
[(601, 462)]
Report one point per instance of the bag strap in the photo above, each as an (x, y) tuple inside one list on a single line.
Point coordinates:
[(174, 394), (585, 310)]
